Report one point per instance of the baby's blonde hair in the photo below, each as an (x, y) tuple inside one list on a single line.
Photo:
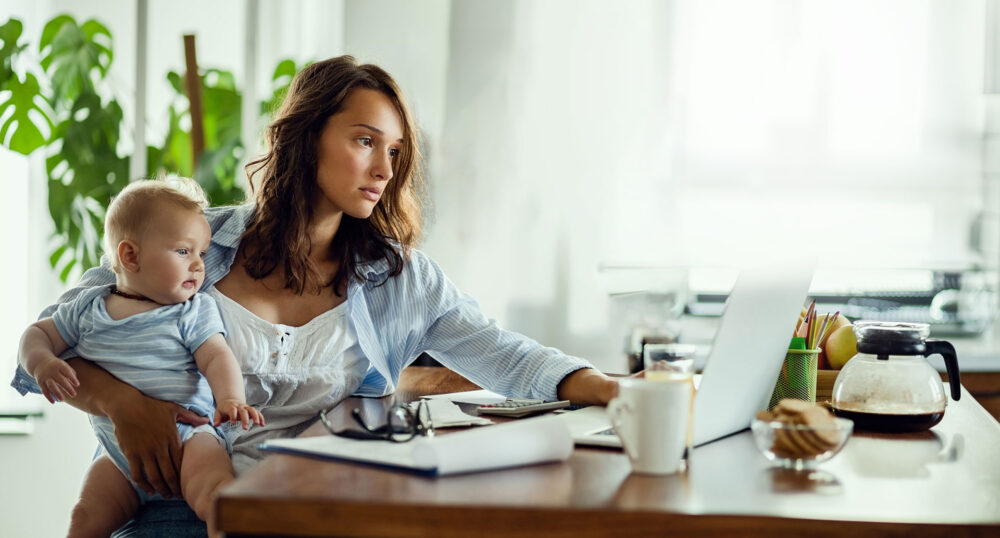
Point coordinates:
[(129, 212)]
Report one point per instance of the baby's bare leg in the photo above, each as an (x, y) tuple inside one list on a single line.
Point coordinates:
[(107, 501), (205, 467)]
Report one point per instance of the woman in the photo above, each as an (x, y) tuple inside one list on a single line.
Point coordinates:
[(320, 287)]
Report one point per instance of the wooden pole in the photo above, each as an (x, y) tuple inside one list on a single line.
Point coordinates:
[(193, 84)]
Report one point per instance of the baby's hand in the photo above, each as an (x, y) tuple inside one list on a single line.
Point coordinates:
[(233, 410), (56, 378)]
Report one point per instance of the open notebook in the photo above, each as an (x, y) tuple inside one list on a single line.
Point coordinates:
[(511, 444)]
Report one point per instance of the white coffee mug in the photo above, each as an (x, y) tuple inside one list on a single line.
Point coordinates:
[(651, 418)]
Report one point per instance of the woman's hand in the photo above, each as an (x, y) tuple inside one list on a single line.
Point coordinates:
[(233, 410), (145, 427), (147, 434)]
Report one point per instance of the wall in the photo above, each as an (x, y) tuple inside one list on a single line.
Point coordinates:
[(419, 65)]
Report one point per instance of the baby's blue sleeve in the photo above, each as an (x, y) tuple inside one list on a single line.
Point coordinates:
[(200, 321), (97, 276), (66, 316)]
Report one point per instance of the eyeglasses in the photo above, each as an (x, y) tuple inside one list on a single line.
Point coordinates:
[(402, 424)]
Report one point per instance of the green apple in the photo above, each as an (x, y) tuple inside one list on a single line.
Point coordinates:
[(841, 345)]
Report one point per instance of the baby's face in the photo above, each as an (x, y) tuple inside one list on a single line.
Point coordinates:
[(171, 269)]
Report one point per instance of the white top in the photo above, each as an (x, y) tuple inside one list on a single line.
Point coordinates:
[(291, 373)]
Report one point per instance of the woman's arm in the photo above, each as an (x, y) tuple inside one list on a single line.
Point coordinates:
[(455, 331), (145, 427), (587, 386)]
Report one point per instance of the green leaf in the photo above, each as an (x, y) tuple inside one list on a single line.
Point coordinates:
[(60, 198), (96, 33), (177, 147), (85, 169), (154, 161), (89, 148), (283, 75), (216, 173), (222, 115), (51, 29), (56, 254), (71, 55), (84, 174), (84, 236), (91, 225), (64, 274), (218, 78), (22, 130), (285, 68), (176, 82), (10, 32)]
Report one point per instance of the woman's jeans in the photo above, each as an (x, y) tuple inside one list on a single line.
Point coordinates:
[(163, 519)]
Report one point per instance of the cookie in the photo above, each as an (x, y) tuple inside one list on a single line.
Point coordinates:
[(799, 439), (766, 416), (824, 426), (817, 433), (793, 407)]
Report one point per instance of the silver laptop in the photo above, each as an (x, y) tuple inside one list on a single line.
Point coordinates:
[(743, 363)]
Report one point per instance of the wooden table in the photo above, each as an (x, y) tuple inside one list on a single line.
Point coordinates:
[(945, 482)]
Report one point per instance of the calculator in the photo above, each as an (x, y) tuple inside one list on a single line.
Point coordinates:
[(520, 407)]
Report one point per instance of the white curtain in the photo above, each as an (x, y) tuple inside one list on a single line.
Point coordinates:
[(849, 128)]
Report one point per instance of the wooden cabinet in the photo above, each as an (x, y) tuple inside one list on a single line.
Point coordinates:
[(985, 387)]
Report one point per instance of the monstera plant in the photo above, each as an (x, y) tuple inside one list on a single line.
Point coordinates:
[(58, 100)]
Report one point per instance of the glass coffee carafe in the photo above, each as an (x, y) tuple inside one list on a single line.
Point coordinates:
[(889, 386)]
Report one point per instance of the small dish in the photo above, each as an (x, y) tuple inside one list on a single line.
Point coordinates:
[(796, 446)]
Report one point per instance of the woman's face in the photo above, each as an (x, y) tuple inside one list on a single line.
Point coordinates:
[(355, 154)]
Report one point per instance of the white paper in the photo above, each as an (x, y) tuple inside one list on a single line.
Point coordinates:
[(478, 397), (378, 452), (511, 444), (514, 443), (445, 414)]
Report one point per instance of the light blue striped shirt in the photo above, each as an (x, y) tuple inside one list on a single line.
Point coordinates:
[(419, 310), (153, 351)]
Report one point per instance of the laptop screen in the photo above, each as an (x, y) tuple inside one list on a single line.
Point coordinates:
[(749, 348)]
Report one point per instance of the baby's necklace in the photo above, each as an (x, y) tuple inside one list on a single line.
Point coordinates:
[(116, 291)]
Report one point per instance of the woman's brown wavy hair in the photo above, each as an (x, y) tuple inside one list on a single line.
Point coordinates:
[(283, 182)]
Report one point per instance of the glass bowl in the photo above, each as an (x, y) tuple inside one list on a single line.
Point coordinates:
[(796, 446)]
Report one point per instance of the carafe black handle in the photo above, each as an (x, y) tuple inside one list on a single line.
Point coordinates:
[(946, 350)]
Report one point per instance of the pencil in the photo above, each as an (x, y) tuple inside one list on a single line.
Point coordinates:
[(810, 314), (803, 316), (813, 328), (828, 327)]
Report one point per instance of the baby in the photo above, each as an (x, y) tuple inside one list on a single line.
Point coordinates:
[(153, 330)]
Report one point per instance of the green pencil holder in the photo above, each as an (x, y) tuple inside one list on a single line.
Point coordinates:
[(797, 378)]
